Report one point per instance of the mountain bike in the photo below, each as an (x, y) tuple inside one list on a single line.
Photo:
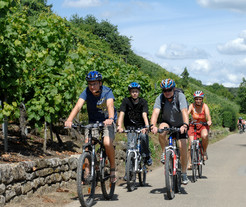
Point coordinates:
[(240, 128), (135, 163), (172, 163), (93, 167), (196, 153)]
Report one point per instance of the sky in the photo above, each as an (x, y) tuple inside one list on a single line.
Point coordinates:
[(208, 37)]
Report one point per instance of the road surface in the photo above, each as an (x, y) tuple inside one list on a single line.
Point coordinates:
[(223, 183)]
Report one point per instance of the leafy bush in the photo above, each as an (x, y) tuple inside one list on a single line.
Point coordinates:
[(229, 118)]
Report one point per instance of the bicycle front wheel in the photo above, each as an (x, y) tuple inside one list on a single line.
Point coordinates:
[(86, 181), (200, 162), (130, 172), (169, 178), (106, 185), (194, 163)]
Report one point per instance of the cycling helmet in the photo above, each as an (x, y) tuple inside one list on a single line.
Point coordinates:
[(93, 76), (240, 118), (167, 84), (134, 85), (198, 94)]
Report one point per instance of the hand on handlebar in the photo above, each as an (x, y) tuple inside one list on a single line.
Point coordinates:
[(154, 129), (120, 129), (68, 124)]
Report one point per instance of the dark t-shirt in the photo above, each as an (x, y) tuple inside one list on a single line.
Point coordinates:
[(134, 112), (97, 105)]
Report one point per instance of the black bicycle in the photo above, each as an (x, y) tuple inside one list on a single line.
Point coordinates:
[(93, 167), (135, 164), (172, 163), (196, 153)]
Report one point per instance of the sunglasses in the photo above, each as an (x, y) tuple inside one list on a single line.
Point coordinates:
[(167, 90)]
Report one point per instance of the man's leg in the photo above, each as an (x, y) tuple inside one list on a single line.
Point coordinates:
[(163, 141), (145, 148), (183, 159), (191, 138)]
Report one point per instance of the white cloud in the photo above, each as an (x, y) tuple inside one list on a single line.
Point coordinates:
[(233, 5), (179, 51), (81, 3), (202, 65), (234, 47)]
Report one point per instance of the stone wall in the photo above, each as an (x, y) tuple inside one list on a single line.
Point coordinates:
[(21, 180)]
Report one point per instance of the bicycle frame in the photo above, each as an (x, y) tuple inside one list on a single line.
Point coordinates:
[(137, 150), (172, 147)]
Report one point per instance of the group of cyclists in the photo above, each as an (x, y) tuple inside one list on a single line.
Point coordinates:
[(170, 105)]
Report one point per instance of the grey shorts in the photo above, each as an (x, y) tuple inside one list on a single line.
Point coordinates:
[(108, 131)]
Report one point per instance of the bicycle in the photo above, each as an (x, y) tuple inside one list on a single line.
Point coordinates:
[(93, 166), (197, 153), (135, 163), (240, 128), (172, 163)]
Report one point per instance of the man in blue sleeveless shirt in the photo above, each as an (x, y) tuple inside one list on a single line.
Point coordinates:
[(100, 108)]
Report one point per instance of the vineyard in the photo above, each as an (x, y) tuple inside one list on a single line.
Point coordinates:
[(44, 59)]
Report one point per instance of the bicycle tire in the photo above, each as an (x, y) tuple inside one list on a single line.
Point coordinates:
[(169, 178), (200, 162), (142, 174), (85, 183), (194, 163), (178, 175), (106, 186), (130, 172)]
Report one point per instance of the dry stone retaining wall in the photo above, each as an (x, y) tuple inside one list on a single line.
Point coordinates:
[(25, 178)]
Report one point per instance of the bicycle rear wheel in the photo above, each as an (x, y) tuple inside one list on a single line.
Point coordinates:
[(194, 163), (142, 174), (200, 162), (169, 178), (86, 181), (106, 185), (130, 172)]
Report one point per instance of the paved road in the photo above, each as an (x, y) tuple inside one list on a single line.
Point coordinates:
[(223, 183)]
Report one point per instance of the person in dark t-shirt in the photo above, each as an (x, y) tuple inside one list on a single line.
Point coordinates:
[(100, 108), (134, 114)]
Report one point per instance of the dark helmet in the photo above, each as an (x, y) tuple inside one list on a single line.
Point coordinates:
[(134, 85), (93, 76), (198, 94), (167, 84)]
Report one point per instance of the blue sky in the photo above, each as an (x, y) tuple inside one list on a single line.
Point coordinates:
[(206, 36)]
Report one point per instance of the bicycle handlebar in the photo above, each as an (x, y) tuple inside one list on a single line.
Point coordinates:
[(88, 126), (197, 123), (172, 129), (137, 130)]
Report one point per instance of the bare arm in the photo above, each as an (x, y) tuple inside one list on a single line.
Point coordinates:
[(207, 113), (74, 112), (145, 118), (153, 120), (110, 107), (120, 121), (185, 116)]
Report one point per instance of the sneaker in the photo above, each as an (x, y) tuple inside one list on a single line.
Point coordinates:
[(149, 161), (184, 179), (163, 158), (125, 178)]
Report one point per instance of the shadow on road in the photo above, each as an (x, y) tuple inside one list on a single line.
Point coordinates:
[(164, 191)]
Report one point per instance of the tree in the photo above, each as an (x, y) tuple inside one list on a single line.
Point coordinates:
[(241, 99), (185, 78)]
